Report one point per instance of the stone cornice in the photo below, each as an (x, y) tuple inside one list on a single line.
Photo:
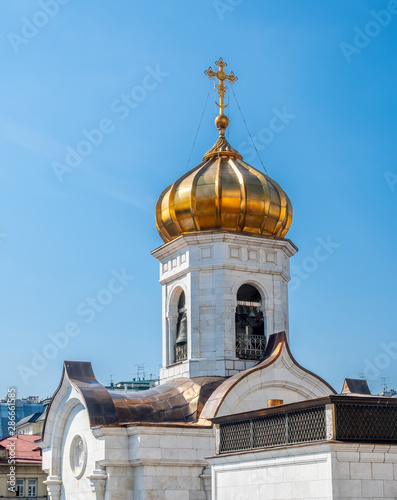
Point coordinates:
[(211, 267), (168, 462), (204, 237), (198, 430), (108, 431)]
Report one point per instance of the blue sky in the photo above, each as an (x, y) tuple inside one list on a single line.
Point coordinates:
[(329, 67)]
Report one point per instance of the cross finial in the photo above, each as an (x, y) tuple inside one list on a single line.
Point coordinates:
[(221, 87)]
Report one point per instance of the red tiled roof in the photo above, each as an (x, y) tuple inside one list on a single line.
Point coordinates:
[(26, 449)]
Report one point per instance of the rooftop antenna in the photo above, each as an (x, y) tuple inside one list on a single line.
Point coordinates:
[(140, 372), (384, 382), (362, 376)]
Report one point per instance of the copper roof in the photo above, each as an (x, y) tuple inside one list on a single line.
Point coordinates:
[(179, 401)]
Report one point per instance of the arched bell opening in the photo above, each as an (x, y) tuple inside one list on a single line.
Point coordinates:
[(180, 350), (250, 325)]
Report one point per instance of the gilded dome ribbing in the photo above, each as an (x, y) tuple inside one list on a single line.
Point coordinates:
[(223, 193)]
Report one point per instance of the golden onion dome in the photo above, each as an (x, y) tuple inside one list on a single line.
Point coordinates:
[(223, 193)]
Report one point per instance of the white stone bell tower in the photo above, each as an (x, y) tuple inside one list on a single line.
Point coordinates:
[(224, 267), (210, 268)]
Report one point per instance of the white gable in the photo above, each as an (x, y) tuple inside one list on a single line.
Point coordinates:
[(279, 376)]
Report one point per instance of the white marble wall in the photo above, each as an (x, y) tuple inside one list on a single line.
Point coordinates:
[(274, 478), (148, 462), (169, 462), (77, 424), (364, 471), (210, 268), (319, 471)]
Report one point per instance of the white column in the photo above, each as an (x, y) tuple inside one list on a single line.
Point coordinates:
[(171, 333), (206, 482), (98, 483), (53, 484)]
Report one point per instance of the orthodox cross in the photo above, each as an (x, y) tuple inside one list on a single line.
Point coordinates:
[(221, 87)]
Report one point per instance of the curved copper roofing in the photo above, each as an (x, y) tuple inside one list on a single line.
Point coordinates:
[(179, 401)]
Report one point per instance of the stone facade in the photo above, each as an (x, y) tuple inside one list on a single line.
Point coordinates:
[(330, 471), (210, 268), (155, 461), (24, 472), (129, 462), (20, 466)]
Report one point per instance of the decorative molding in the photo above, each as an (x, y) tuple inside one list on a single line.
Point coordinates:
[(207, 309), (108, 431), (205, 252), (271, 257), (234, 252), (168, 462), (78, 455), (276, 461), (206, 479), (204, 237), (53, 484), (98, 483), (228, 267)]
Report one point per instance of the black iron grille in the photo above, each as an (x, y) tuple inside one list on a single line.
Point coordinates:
[(269, 431), (300, 426), (360, 422), (307, 425), (235, 436), (250, 346)]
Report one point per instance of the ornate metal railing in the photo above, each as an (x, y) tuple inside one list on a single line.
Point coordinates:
[(341, 418), (250, 346), (366, 422), (180, 353), (294, 427)]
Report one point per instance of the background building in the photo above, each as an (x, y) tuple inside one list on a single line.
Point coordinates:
[(23, 408), (28, 463), (33, 424)]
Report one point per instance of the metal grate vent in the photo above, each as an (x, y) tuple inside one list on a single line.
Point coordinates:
[(300, 426), (366, 422), (269, 431), (307, 425), (235, 436)]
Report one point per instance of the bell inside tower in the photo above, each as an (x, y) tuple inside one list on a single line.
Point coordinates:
[(250, 325), (181, 331)]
